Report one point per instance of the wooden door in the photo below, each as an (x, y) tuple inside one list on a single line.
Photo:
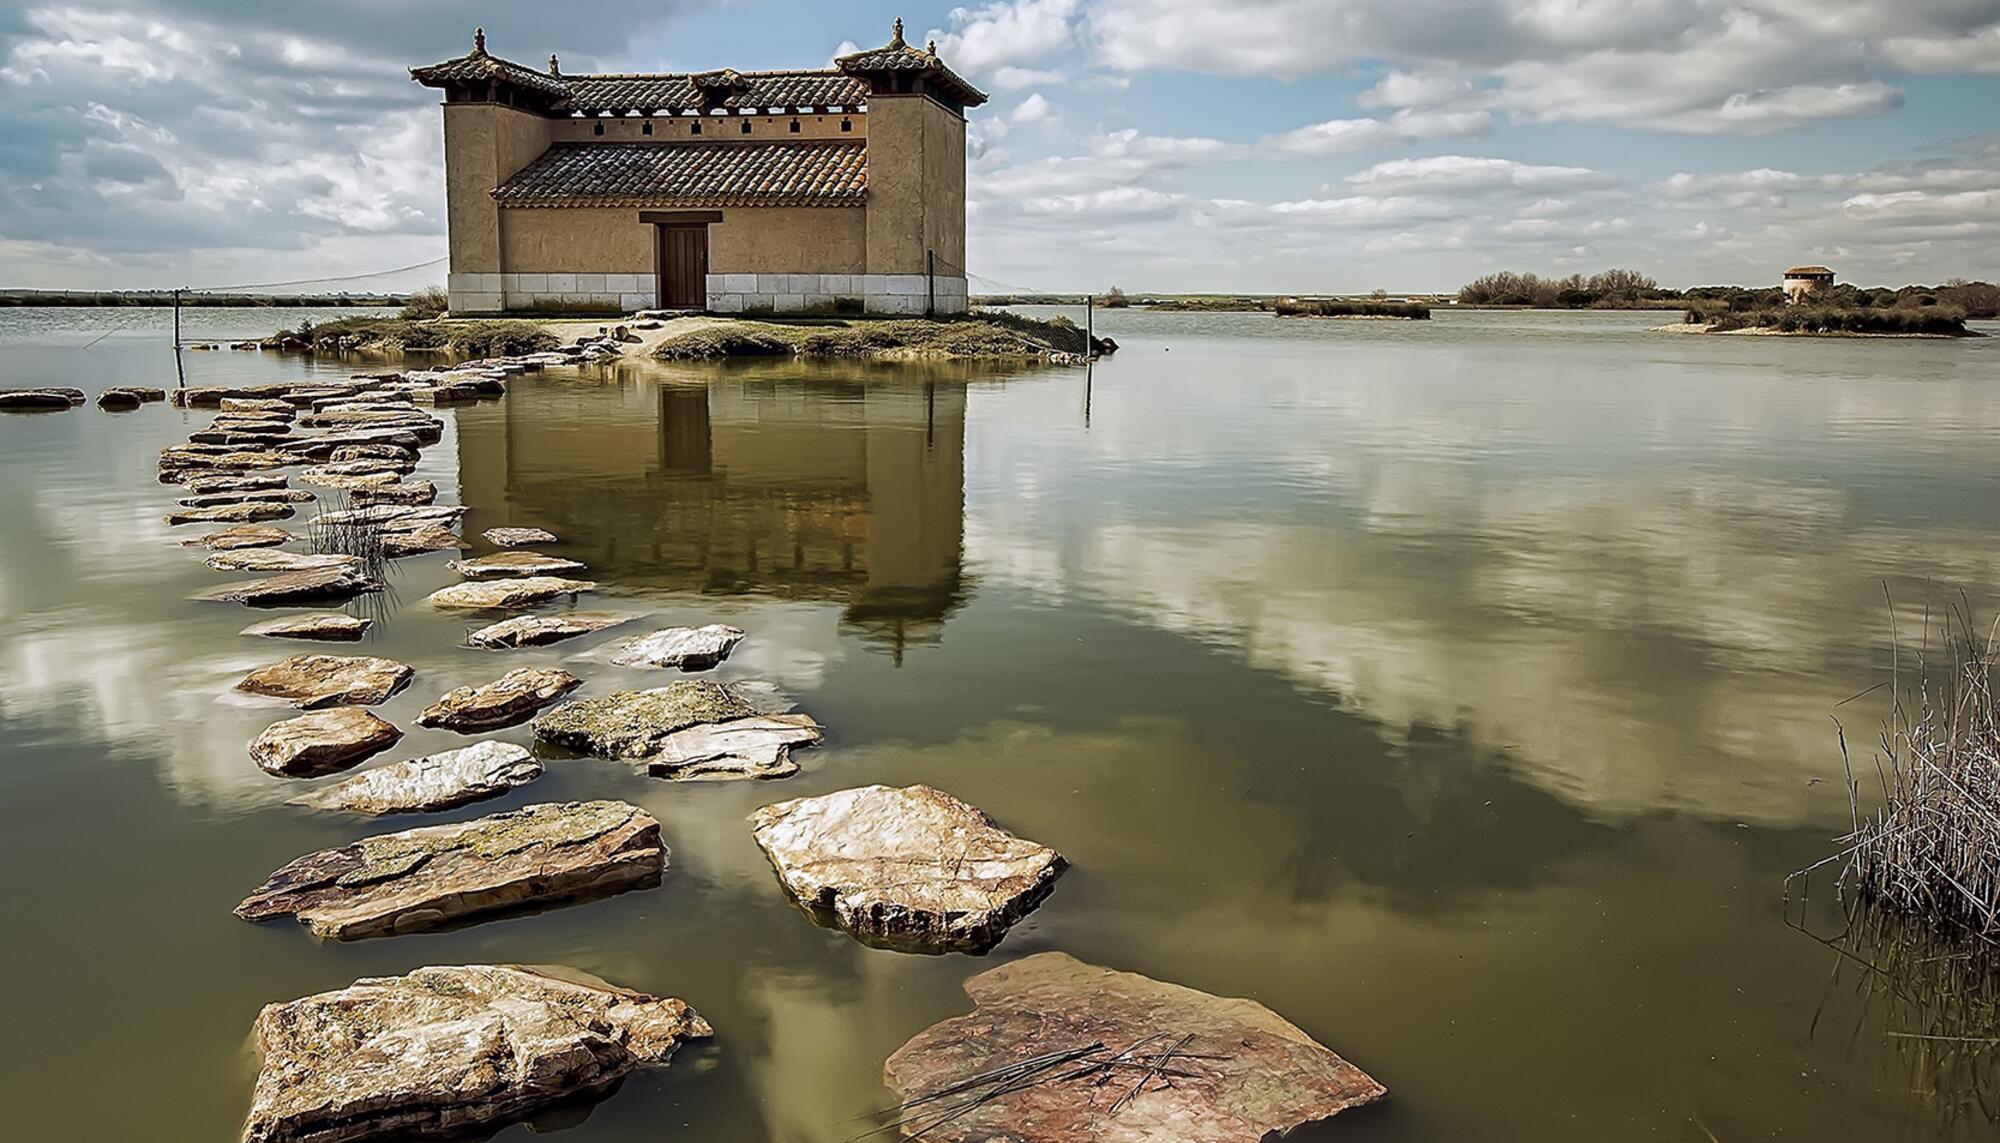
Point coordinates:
[(683, 259)]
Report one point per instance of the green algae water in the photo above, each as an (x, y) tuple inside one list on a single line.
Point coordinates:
[(1462, 690)]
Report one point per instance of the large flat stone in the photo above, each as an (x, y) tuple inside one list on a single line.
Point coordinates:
[(447, 1050), (36, 399), (495, 594), (424, 878), (912, 867), (314, 681), (234, 482), (320, 626), (1174, 1065), (266, 560), (242, 536), (503, 565), (397, 492), (632, 724), (437, 782), (682, 648), (233, 513), (517, 537), (247, 496), (340, 581), (510, 700), (395, 517), (324, 742), (759, 746), (430, 538), (539, 630)]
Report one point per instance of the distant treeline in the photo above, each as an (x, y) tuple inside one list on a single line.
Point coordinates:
[(158, 298), (1340, 307), (1630, 289)]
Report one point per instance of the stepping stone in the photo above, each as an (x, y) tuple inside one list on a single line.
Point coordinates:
[(232, 513), (447, 1050), (344, 581), (395, 517), (1240, 1073), (685, 648), (348, 454), (267, 405), (399, 492), (517, 537), (433, 538), (438, 782), (909, 868), (323, 743), (225, 482), (632, 724), (242, 536), (119, 400), (424, 878), (756, 747), (29, 399), (539, 630), (497, 594), (310, 682), (510, 700), (320, 478), (323, 626), (248, 496), (501, 565), (266, 560)]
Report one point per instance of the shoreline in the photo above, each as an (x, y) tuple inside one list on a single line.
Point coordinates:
[(1765, 331)]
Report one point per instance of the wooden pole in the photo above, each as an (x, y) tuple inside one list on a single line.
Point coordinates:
[(930, 283), (177, 318), (1089, 325)]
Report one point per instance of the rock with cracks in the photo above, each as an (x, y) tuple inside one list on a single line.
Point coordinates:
[(233, 513), (517, 537), (242, 536), (434, 538), (539, 630), (342, 581), (908, 868), (310, 682), (438, 782), (418, 879), (1174, 1064), (319, 626), (684, 648), (632, 724), (494, 595), (447, 1050), (756, 747), (265, 560), (501, 565), (510, 700), (323, 743)]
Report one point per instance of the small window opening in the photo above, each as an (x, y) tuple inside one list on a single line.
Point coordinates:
[(746, 126), (847, 124), (795, 126), (597, 128), (694, 128), (646, 128)]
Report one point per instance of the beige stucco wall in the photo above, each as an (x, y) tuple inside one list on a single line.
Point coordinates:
[(483, 144), (612, 240), (723, 128), (916, 185)]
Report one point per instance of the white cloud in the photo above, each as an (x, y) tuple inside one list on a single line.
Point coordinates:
[(1457, 173), (1406, 126), (984, 41), (1033, 109)]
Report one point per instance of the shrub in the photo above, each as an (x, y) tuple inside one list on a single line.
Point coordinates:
[(427, 303), (1913, 319), (1333, 307)]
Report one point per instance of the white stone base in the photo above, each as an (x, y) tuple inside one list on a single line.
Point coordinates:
[(907, 294), (551, 293)]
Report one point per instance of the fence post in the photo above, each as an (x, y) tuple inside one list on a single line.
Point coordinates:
[(930, 283)]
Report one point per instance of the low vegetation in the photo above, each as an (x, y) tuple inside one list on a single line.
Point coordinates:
[(1612, 289), (1338, 307), (1934, 321), (429, 302), (468, 339), (1211, 305), (983, 334)]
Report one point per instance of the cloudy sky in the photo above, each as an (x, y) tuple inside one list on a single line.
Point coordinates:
[(1157, 144)]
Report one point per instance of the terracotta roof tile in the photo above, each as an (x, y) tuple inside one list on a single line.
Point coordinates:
[(480, 66), (806, 172), (686, 91)]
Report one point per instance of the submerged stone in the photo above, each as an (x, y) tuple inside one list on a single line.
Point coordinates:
[(446, 1050), (510, 700), (759, 746), (242, 536), (322, 626), (424, 878), (539, 630), (1175, 1064), (517, 537), (437, 782), (342, 581), (914, 867), (493, 594), (631, 724), (233, 513), (310, 682), (501, 565), (324, 742), (684, 648)]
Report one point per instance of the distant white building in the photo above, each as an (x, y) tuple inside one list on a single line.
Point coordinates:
[(1802, 282)]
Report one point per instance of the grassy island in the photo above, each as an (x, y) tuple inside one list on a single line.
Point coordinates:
[(1829, 321), (983, 334), (468, 339), (1338, 308)]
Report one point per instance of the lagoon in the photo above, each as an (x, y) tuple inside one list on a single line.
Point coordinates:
[(1463, 690)]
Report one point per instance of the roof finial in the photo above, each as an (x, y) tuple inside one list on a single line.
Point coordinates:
[(931, 47), (479, 41), (896, 41), (555, 68)]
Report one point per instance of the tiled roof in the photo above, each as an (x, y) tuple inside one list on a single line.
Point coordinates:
[(806, 172), (689, 92), (1807, 270), (897, 56), (481, 66)]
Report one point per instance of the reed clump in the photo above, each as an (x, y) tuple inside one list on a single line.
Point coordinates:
[(1935, 321), (1339, 307)]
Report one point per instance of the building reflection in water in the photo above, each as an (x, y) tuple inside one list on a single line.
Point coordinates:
[(802, 486)]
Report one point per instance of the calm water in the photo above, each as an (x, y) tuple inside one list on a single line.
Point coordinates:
[(1457, 689)]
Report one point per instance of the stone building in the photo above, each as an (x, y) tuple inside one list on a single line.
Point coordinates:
[(828, 190), (1802, 282)]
